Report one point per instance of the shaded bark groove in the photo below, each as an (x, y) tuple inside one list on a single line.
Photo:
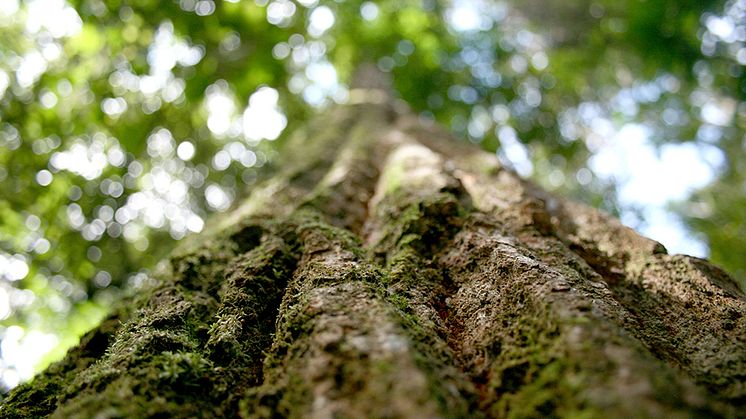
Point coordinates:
[(387, 270)]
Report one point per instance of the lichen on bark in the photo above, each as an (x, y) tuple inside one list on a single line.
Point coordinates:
[(387, 270)]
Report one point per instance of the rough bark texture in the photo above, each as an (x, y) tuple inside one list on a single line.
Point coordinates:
[(385, 270)]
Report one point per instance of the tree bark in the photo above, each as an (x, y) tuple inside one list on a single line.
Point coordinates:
[(386, 270)]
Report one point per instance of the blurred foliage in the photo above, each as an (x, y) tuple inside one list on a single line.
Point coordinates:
[(124, 124)]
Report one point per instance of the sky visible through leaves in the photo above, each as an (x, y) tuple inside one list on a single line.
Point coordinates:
[(125, 124)]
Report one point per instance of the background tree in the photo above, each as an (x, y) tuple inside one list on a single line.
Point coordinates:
[(125, 125)]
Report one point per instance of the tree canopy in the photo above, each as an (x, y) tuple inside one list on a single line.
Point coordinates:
[(124, 125)]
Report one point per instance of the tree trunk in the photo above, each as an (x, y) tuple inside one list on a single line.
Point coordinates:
[(386, 270)]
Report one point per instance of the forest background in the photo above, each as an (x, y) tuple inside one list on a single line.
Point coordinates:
[(124, 125)]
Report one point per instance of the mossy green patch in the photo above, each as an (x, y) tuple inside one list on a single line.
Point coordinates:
[(532, 375), (215, 308), (423, 224), (414, 230)]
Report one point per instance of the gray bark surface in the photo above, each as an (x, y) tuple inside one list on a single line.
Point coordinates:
[(386, 270)]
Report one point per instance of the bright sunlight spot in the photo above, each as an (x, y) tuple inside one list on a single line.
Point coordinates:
[(263, 118), (651, 178)]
